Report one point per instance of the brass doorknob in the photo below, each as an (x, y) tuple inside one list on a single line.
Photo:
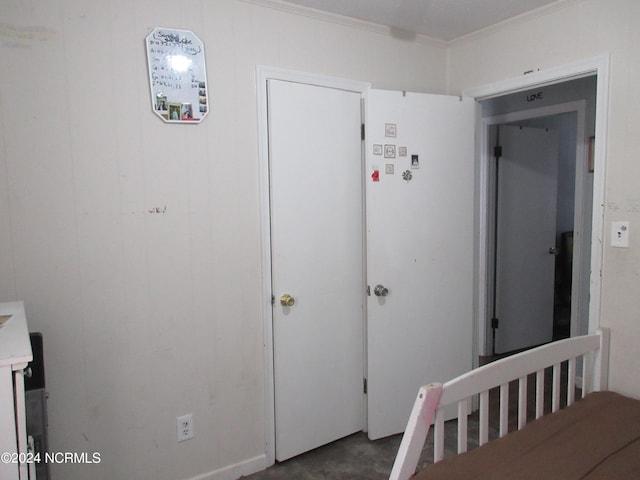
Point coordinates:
[(287, 300)]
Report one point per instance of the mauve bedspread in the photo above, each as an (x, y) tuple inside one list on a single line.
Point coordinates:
[(597, 438)]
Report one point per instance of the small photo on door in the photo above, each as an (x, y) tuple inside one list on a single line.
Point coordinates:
[(389, 151), (390, 130)]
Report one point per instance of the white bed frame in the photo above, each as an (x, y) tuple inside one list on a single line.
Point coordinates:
[(432, 399)]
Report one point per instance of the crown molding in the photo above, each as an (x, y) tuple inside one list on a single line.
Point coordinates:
[(513, 21), (336, 19)]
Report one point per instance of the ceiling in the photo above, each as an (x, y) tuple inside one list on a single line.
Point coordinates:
[(442, 19)]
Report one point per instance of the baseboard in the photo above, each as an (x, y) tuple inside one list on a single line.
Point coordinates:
[(235, 471)]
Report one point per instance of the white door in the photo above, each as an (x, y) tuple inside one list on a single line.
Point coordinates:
[(526, 231), (315, 152), (419, 247)]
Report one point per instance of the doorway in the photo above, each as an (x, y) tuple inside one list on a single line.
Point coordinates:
[(576, 292)]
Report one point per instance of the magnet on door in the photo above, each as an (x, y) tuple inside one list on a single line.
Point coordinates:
[(375, 176)]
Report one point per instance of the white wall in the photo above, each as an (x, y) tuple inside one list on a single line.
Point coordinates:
[(558, 36), (147, 316)]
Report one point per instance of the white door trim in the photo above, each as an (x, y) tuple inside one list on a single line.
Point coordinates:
[(600, 67), (263, 75)]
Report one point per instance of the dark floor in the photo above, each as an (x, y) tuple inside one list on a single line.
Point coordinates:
[(354, 457), (357, 458)]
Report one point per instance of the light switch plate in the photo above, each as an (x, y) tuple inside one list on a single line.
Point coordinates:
[(620, 234)]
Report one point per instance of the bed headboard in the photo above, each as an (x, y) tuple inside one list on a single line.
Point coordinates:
[(592, 350)]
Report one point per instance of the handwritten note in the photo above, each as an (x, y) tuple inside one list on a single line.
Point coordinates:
[(177, 75)]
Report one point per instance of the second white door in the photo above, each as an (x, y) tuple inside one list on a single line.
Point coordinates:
[(527, 189), (420, 218)]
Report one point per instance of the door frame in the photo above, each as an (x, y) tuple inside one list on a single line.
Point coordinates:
[(580, 108), (598, 66), (263, 75)]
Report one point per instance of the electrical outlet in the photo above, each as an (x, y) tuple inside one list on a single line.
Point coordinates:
[(185, 427)]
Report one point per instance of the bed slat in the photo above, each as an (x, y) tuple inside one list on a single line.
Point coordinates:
[(555, 391), (522, 402), (438, 436), (587, 373), (504, 409), (462, 425), (539, 393), (601, 363), (571, 381), (484, 418)]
